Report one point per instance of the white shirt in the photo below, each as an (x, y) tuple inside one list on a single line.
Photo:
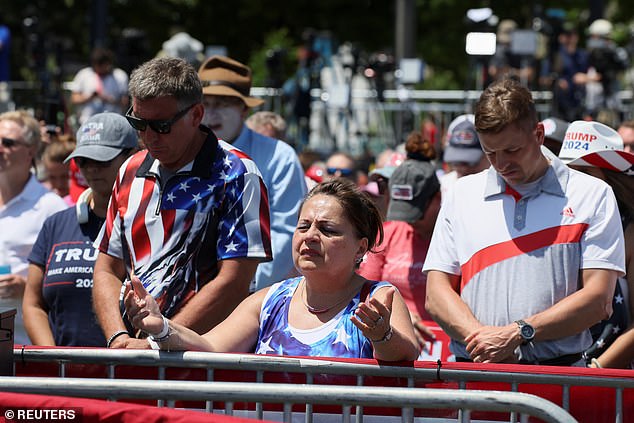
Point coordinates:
[(519, 256), (87, 81), (20, 221)]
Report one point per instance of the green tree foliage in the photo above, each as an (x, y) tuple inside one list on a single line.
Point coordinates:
[(249, 28)]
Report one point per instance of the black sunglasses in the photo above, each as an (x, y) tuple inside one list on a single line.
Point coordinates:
[(158, 126), (10, 142)]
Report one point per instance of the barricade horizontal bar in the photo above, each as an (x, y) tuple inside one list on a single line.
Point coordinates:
[(498, 401), (190, 359)]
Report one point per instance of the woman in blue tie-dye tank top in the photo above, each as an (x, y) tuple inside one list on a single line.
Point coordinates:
[(329, 311)]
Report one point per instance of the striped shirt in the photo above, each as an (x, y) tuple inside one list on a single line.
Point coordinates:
[(172, 233)]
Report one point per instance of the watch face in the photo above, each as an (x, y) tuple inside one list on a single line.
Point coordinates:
[(527, 332)]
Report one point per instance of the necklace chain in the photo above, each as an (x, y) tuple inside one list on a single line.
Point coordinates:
[(313, 310)]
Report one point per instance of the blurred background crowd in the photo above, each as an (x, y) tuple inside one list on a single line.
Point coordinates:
[(358, 90)]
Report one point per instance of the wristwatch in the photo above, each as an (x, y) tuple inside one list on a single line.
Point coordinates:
[(527, 332)]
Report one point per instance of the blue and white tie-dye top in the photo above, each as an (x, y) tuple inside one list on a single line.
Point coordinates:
[(275, 336)]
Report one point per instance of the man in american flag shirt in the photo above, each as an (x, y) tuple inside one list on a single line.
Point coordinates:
[(189, 216)]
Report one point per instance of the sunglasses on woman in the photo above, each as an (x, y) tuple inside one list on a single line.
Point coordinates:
[(158, 126), (11, 142)]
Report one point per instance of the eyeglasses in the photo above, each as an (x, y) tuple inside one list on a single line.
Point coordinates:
[(342, 171), (158, 126), (11, 142)]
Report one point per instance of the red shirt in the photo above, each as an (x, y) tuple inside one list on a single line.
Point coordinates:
[(399, 260)]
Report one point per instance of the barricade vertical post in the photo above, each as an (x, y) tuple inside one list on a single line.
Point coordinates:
[(618, 418), (209, 405), (359, 408), (259, 407), (309, 407), (161, 376), (7, 318), (514, 388), (288, 412)]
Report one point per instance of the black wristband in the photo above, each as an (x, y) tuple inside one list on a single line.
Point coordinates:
[(115, 336)]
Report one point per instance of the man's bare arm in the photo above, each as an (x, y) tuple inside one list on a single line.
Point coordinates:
[(108, 277), (446, 307), (573, 314)]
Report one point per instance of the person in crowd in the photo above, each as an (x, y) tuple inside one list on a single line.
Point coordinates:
[(329, 310), (463, 154), (77, 182), (390, 159), (99, 87), (452, 125), (58, 295), (379, 177), (606, 61), (226, 86), (268, 123), (342, 165), (506, 63), (567, 74), (188, 216), (315, 174), (49, 133), (24, 205), (182, 45), (313, 166), (597, 149), (308, 157), (414, 204), (429, 129), (525, 255), (554, 132), (440, 151), (56, 168), (626, 131)]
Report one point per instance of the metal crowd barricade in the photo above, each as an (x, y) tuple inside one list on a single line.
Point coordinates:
[(288, 394), (577, 390)]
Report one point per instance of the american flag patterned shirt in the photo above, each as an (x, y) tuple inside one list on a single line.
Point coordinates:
[(275, 336), (173, 233)]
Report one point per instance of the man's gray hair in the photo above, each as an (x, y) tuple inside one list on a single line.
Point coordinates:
[(263, 118), (166, 76)]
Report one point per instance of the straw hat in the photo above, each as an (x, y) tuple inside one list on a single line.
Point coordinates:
[(221, 75)]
